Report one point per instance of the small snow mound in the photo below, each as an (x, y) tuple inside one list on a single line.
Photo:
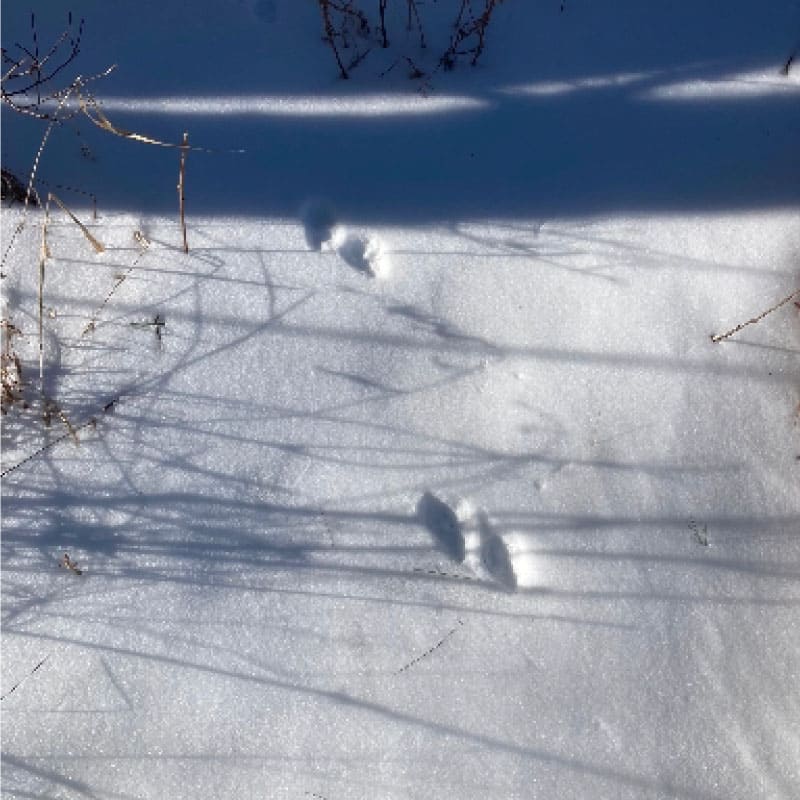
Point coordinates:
[(522, 561), (362, 253), (442, 522), (487, 554)]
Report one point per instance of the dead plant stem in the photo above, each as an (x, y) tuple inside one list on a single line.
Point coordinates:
[(721, 336), (181, 185)]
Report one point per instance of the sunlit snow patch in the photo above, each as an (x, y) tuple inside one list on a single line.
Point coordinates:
[(522, 560), (309, 106), (552, 88), (747, 84)]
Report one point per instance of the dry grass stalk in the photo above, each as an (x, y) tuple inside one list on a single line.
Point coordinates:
[(721, 336), (98, 247), (44, 254), (89, 107), (144, 243), (181, 184)]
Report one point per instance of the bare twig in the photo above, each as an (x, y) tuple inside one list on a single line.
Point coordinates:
[(144, 243), (27, 73), (413, 12), (430, 649), (787, 66), (43, 256), (382, 14), (721, 336), (330, 35), (20, 682)]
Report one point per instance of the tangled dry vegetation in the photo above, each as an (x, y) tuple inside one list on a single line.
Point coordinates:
[(33, 85), (352, 33)]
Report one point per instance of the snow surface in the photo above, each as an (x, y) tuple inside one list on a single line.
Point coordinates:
[(432, 482)]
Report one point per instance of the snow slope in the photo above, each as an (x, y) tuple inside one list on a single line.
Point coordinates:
[(432, 482)]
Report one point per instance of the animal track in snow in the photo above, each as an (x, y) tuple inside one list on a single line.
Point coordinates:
[(467, 535), (493, 552), (318, 223), (487, 554), (441, 521), (361, 251)]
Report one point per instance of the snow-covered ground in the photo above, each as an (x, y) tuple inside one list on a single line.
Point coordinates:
[(419, 475)]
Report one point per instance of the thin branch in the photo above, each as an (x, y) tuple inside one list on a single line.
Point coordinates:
[(414, 11), (721, 336), (330, 35), (20, 682)]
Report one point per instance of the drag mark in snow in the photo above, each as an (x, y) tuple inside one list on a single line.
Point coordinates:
[(431, 650)]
